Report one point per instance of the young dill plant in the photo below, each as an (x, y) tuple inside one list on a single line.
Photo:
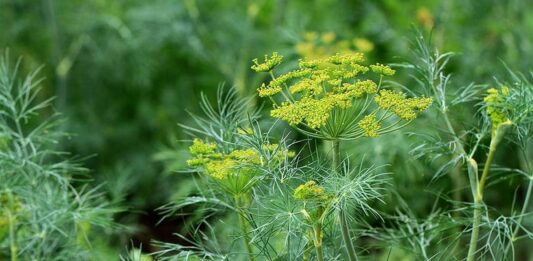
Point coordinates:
[(43, 216), (507, 114), (231, 160), (338, 98)]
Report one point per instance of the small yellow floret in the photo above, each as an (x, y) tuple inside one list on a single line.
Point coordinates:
[(310, 191), (268, 64), (200, 147), (382, 69), (370, 125)]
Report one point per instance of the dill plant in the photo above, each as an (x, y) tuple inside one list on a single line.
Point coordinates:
[(43, 213), (505, 113), (333, 99)]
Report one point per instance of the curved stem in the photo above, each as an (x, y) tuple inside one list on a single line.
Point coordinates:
[(345, 230), (478, 201), (245, 228)]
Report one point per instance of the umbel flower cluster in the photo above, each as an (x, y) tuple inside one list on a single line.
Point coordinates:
[(314, 95), (240, 163), (493, 102), (311, 191)]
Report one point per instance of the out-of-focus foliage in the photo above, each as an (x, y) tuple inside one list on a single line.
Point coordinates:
[(124, 74)]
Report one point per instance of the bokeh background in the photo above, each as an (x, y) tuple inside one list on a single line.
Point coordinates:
[(126, 72)]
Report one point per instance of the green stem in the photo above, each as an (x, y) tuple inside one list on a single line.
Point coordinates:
[(345, 230), (478, 201), (244, 227), (352, 256), (336, 155), (522, 213), (318, 242), (475, 232), (12, 236)]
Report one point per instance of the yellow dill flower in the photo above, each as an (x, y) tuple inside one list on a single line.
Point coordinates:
[(363, 45), (493, 100), (321, 87), (280, 153), (311, 191), (265, 91), (278, 82), (370, 125), (352, 58), (313, 87), (405, 108), (220, 169), (424, 17), (200, 147), (198, 161), (310, 36), (268, 64), (249, 156), (382, 69), (306, 49), (328, 37), (360, 87)]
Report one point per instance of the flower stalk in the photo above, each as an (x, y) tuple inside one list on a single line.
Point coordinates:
[(478, 196), (240, 204), (345, 229)]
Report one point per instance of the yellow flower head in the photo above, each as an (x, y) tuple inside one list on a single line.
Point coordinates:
[(200, 147), (322, 87), (405, 108), (493, 100), (328, 37), (268, 64), (221, 165), (363, 45), (382, 69), (311, 191)]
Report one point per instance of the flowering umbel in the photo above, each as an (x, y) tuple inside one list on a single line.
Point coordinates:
[(311, 191), (493, 102), (238, 162), (339, 97)]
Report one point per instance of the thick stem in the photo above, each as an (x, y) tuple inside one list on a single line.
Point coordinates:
[(345, 229), (318, 242), (475, 232), (245, 228)]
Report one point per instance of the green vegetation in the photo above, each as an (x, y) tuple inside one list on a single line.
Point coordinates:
[(266, 130)]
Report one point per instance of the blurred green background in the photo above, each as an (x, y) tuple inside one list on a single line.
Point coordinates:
[(126, 72)]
